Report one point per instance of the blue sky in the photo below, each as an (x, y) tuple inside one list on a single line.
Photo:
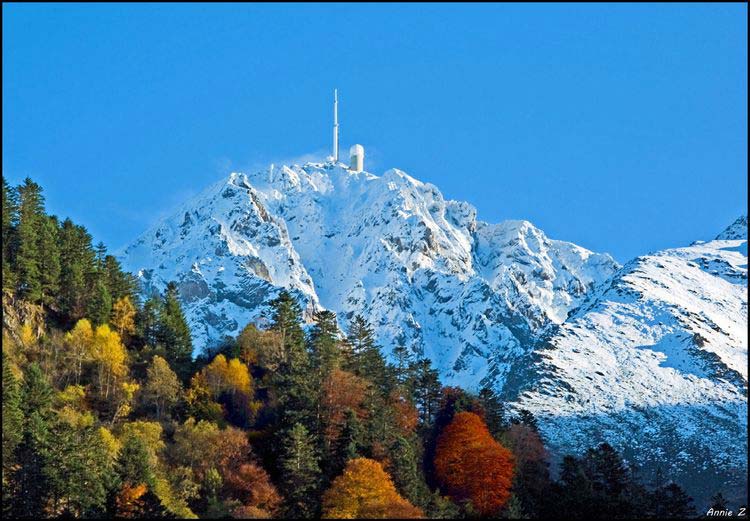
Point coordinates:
[(622, 128)]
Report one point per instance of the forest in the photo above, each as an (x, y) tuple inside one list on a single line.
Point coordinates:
[(107, 414)]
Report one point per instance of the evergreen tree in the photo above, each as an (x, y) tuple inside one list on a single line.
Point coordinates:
[(300, 477), (285, 320), (99, 305), (12, 417), (76, 267), (174, 333), (133, 466), (368, 361), (425, 386), (348, 446), (718, 502), (10, 222), (324, 345), (49, 260), (295, 391), (671, 501), (494, 411), (31, 214), (29, 483), (406, 464)]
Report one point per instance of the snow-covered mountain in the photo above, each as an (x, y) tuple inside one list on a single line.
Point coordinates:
[(467, 294), (655, 361), (651, 356)]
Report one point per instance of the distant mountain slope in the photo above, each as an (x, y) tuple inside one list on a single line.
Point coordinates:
[(467, 294), (656, 363)]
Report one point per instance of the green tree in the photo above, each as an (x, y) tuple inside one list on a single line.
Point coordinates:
[(49, 260), (76, 265), (300, 474), (174, 333), (10, 222), (324, 344), (12, 417), (349, 444), (134, 463), (29, 483), (100, 303), (31, 214)]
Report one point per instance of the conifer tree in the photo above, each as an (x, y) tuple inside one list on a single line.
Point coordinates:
[(76, 267), (31, 213), (174, 333), (99, 305), (10, 222), (324, 345), (494, 411), (29, 481), (49, 260), (368, 361), (348, 446), (12, 417), (300, 477)]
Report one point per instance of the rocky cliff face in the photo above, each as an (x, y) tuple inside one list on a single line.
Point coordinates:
[(467, 294)]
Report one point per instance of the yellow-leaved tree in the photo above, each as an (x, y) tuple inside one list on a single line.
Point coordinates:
[(110, 359), (123, 317), (365, 490), (80, 341)]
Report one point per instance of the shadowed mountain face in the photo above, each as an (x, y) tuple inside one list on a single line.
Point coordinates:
[(656, 362), (597, 351)]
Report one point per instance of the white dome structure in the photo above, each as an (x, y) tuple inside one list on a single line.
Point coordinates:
[(357, 158)]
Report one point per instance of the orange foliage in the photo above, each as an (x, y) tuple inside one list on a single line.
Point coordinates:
[(470, 464), (252, 486), (128, 502), (366, 491), (341, 391), (406, 413)]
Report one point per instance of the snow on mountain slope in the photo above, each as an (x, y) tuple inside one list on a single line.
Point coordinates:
[(655, 362), (467, 294)]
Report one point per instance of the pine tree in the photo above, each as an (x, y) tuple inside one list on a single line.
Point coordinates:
[(406, 464), (348, 445), (671, 501), (425, 385), (76, 266), (49, 260), (29, 482), (12, 417), (174, 333), (368, 361), (324, 344), (718, 502), (300, 474), (133, 463), (10, 222), (31, 213), (494, 411), (100, 304), (285, 320)]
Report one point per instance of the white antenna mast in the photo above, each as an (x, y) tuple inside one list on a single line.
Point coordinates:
[(335, 125)]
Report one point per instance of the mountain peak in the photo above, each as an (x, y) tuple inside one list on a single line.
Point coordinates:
[(735, 231)]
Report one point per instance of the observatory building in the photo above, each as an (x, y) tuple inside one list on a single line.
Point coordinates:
[(357, 158), (357, 152)]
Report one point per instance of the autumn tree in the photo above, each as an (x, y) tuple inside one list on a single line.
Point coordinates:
[(162, 388), (123, 317), (365, 490), (531, 481), (472, 466)]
